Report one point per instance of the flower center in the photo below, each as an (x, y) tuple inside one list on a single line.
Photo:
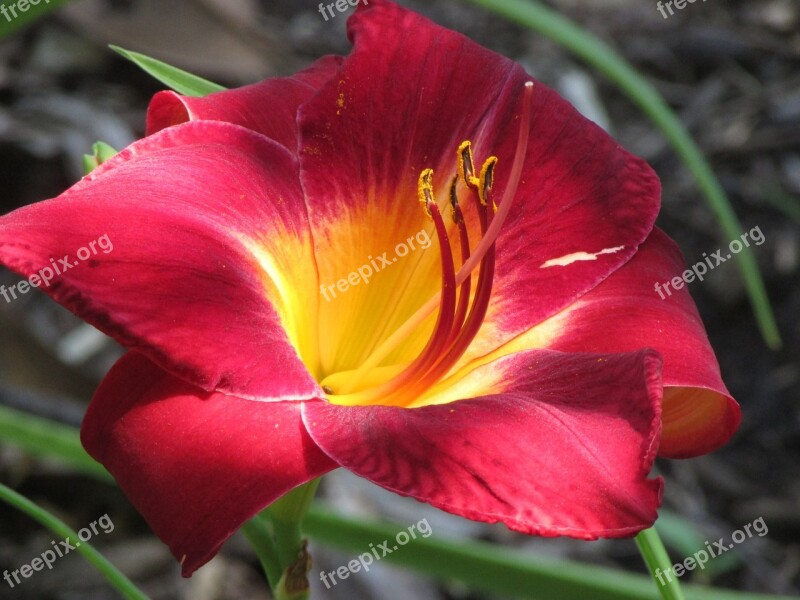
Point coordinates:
[(460, 310)]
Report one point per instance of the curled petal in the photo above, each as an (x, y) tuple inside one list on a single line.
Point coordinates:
[(562, 445), (268, 107), (627, 312), (196, 465)]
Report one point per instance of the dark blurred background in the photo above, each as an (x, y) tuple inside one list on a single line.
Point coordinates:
[(730, 69)]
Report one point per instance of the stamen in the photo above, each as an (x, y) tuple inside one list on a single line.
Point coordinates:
[(466, 168), (438, 341), (459, 337), (456, 214), (466, 286), (486, 179), (425, 190)]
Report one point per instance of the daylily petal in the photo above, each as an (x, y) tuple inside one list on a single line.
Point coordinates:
[(196, 465), (581, 195), (205, 220), (268, 107), (561, 445), (625, 313)]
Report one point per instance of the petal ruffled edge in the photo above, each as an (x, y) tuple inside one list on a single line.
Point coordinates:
[(561, 444), (268, 107)]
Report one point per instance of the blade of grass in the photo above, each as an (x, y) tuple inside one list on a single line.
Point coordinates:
[(177, 79), (479, 565), (47, 439), (657, 560), (603, 58), (118, 580), (497, 569)]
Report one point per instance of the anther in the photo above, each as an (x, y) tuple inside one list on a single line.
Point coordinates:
[(486, 180), (466, 167), (458, 218), (425, 190)]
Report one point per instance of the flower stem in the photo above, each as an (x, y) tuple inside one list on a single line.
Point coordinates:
[(657, 560), (276, 534)]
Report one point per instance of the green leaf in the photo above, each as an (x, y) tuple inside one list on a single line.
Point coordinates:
[(179, 80), (602, 57), (121, 583), (101, 152), (44, 438)]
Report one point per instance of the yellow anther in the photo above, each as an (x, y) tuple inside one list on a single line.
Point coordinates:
[(457, 217), (486, 180), (466, 167), (425, 190)]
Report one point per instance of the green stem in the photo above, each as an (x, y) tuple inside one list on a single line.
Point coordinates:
[(657, 560), (602, 57), (61, 529), (260, 536), (277, 536)]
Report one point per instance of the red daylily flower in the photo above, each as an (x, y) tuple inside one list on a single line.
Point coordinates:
[(501, 374)]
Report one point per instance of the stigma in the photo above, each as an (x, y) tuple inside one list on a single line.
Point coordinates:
[(462, 302)]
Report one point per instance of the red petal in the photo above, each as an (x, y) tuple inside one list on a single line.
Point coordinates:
[(562, 447), (187, 211), (268, 107), (580, 192), (625, 313), (196, 465)]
